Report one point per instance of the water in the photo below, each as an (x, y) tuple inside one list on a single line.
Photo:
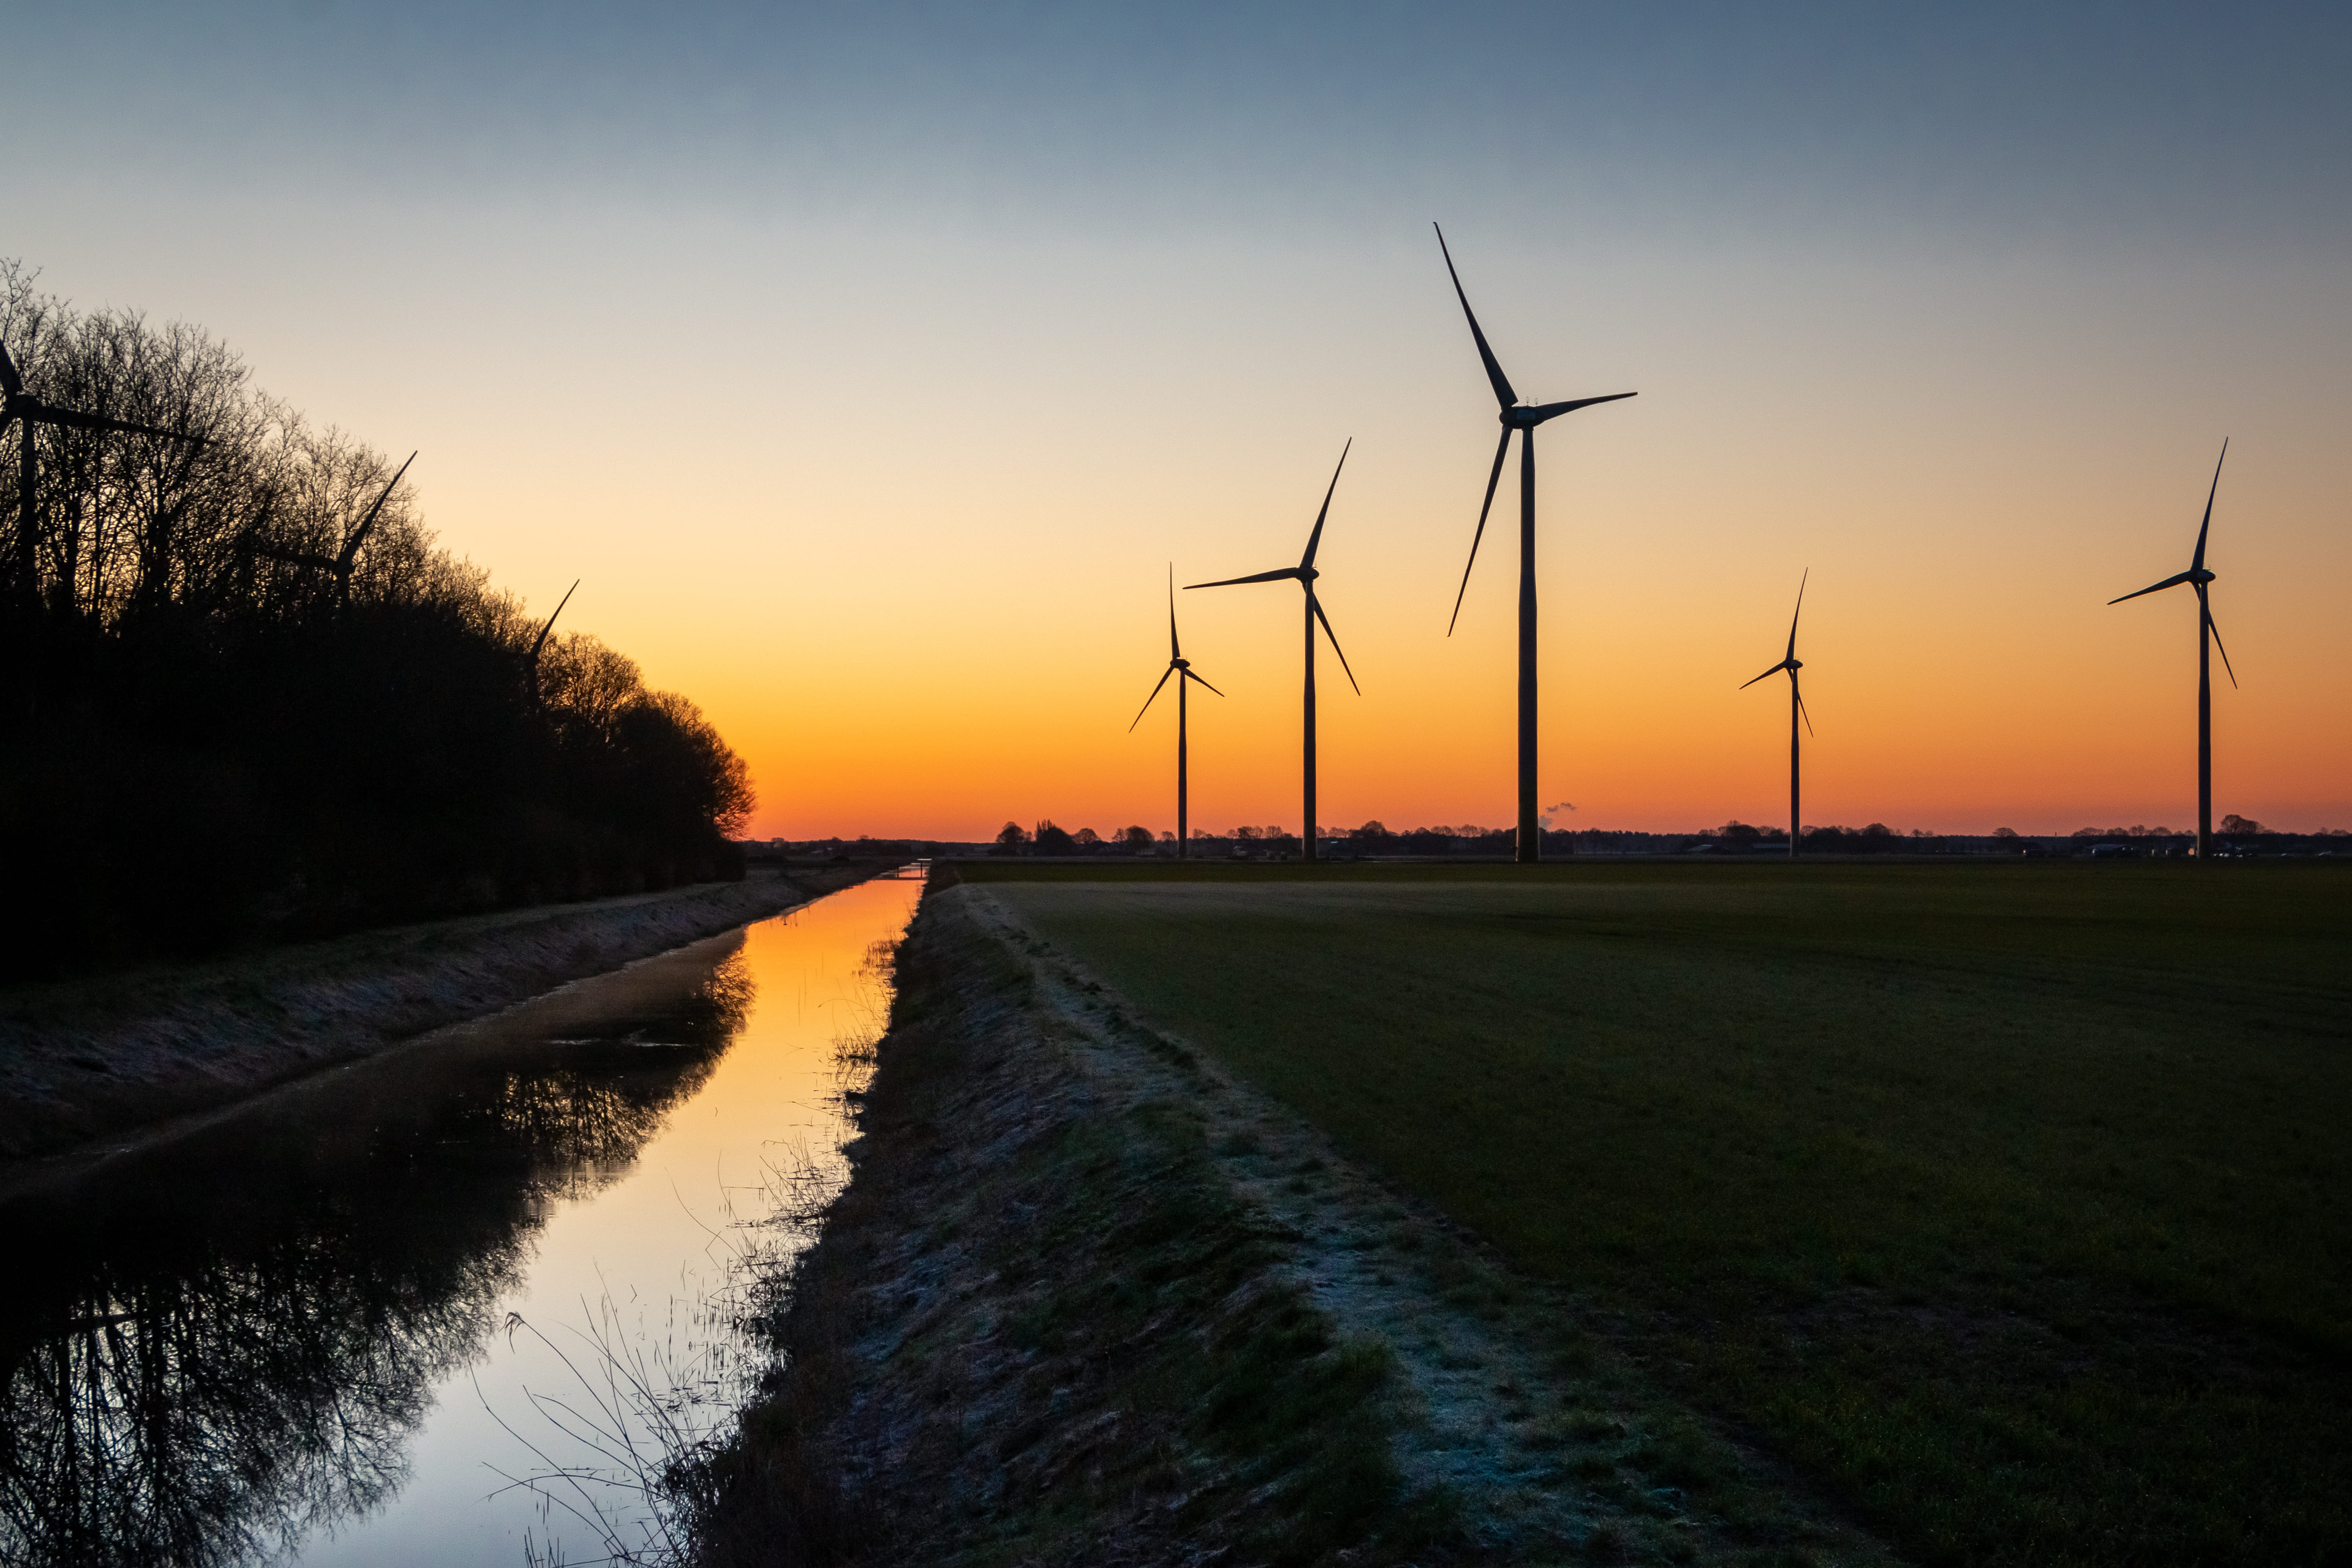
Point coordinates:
[(338, 1326)]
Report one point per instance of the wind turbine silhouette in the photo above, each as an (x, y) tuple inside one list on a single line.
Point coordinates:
[(1793, 664), (339, 566), (1305, 574), (1521, 417), (1180, 668), (16, 403), (530, 659), (2209, 636)]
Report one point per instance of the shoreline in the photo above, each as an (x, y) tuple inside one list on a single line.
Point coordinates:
[(88, 1062)]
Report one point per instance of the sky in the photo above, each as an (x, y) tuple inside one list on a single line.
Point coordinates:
[(874, 365)]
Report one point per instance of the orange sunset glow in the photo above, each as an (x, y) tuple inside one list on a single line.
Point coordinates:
[(871, 382)]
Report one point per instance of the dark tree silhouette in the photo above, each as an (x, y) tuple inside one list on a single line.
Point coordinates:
[(244, 695)]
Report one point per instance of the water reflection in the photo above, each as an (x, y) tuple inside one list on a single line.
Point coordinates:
[(215, 1348)]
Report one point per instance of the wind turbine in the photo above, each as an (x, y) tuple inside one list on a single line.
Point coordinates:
[(2209, 636), (1180, 668), (1305, 574), (530, 659), (1793, 664), (342, 563), (1521, 417), (16, 403)]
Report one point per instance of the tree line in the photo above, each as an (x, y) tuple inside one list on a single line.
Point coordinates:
[(246, 694)]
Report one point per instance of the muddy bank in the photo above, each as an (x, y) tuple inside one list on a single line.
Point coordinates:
[(92, 1060), (1088, 1300)]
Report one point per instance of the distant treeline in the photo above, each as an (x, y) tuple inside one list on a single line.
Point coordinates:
[(229, 713), (2238, 835)]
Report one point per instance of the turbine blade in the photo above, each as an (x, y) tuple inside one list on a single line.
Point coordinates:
[(1317, 606), (540, 641), (1774, 670), (2171, 582), (1152, 699), (1544, 411), (1801, 610), (1173, 651), (2205, 607), (10, 381), (1203, 680), (1315, 540), (352, 545), (81, 421), (1501, 448), (1503, 393), (1801, 710), (2197, 562), (1275, 576)]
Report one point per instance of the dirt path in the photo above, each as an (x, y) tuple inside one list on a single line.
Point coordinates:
[(98, 1059), (1074, 1249)]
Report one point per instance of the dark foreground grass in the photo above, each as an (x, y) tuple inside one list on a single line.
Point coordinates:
[(2011, 1201)]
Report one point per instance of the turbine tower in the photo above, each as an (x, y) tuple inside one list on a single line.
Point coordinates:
[(1520, 417), (15, 403), (1305, 574), (2208, 637), (1180, 668), (1793, 664)]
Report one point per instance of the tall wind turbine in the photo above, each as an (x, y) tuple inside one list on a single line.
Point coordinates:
[(530, 659), (1793, 664), (16, 403), (1521, 417), (1305, 574), (341, 564), (2209, 636), (1182, 668)]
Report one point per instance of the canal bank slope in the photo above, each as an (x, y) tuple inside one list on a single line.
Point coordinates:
[(1087, 1300), (102, 1056)]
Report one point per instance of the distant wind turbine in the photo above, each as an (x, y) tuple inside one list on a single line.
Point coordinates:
[(530, 659), (1182, 668), (1793, 664), (2209, 636), (1305, 574), (341, 564), (16, 403), (1516, 416)]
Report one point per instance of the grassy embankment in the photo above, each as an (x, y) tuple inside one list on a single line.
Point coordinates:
[(2010, 1201), (101, 1055), (1041, 1327)]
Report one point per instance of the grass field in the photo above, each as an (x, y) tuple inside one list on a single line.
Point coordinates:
[(2008, 1201)]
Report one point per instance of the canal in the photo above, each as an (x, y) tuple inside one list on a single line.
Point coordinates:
[(450, 1304)]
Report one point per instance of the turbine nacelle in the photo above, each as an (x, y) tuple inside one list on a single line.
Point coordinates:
[(2201, 576)]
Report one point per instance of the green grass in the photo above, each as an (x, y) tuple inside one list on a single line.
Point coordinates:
[(2011, 1201)]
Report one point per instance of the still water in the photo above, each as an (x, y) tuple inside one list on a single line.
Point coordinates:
[(340, 1325)]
